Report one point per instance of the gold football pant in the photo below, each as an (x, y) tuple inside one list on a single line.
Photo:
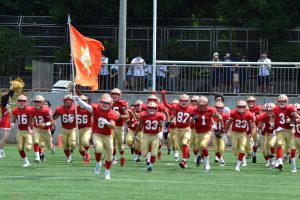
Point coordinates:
[(84, 137), (239, 141), (249, 145), (202, 140), (192, 142), (103, 144), (130, 137), (173, 140), (255, 138), (138, 143), (296, 145), (68, 137), (118, 137), (24, 140), (40, 135), (285, 137), (183, 136), (219, 145), (152, 141)]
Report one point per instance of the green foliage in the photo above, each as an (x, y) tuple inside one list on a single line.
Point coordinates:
[(15, 51), (62, 54), (285, 52)]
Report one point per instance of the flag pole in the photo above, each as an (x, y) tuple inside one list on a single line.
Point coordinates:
[(73, 77)]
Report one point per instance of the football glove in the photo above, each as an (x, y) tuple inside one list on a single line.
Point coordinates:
[(218, 134), (195, 117), (167, 124), (166, 135), (104, 121), (12, 125)]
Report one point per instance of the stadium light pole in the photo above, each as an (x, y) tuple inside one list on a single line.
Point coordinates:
[(122, 44), (154, 45)]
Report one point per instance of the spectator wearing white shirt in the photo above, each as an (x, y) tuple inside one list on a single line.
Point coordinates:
[(148, 77), (161, 71), (104, 74), (114, 75), (138, 64), (264, 77)]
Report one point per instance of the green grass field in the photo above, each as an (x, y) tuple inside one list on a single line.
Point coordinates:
[(55, 179)]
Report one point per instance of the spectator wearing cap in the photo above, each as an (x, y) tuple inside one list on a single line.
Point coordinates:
[(264, 74), (216, 73)]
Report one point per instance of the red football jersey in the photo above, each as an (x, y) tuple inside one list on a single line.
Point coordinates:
[(84, 118), (98, 127), (23, 116), (297, 130), (256, 110), (5, 119), (265, 119), (225, 118), (240, 120), (182, 115), (119, 106), (204, 122), (173, 121), (65, 114), (152, 123), (132, 122), (281, 115), (41, 116)]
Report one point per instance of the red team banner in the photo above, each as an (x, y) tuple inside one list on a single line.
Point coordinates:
[(87, 54)]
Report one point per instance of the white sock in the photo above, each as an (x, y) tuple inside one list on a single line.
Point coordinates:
[(238, 163), (206, 159), (148, 156), (114, 157), (37, 155), (280, 161), (222, 160)]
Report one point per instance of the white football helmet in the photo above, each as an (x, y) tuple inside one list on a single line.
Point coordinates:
[(184, 100), (115, 94), (22, 101), (152, 108), (251, 101), (241, 106), (106, 101), (282, 101)]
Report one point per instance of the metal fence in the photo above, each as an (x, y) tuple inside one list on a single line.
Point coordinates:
[(237, 78)]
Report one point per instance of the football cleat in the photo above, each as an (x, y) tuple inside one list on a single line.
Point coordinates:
[(69, 159), (42, 157), (206, 167), (253, 159), (97, 168), (237, 168), (176, 155), (280, 167), (294, 171), (114, 161), (138, 160), (268, 163), (217, 160), (169, 151), (198, 161), (132, 150), (3, 154), (183, 164), (37, 161), (123, 161), (248, 156), (26, 163), (222, 164), (107, 174), (149, 169)]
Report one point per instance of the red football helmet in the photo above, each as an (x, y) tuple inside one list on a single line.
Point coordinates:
[(115, 94), (68, 100), (241, 106), (282, 101), (138, 105), (105, 101), (184, 100), (151, 108), (194, 100), (38, 101), (251, 101), (202, 103), (22, 101)]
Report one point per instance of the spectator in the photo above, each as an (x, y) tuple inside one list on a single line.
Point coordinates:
[(264, 78), (216, 73), (148, 77), (227, 75), (161, 71), (104, 74), (129, 78), (240, 76), (219, 97), (114, 75), (174, 72), (139, 65)]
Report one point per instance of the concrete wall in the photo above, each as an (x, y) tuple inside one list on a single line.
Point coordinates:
[(56, 99)]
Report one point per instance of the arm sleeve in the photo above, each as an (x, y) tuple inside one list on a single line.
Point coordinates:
[(165, 102), (85, 105)]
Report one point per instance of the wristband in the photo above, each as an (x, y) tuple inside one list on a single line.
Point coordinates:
[(48, 124)]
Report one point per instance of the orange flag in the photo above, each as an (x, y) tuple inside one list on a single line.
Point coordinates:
[(87, 54)]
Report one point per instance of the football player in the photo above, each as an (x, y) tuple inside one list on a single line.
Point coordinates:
[(41, 116), (266, 126), (135, 145), (120, 106), (68, 122), (172, 131), (219, 139), (182, 112), (21, 115), (239, 118), (84, 120), (284, 114), (296, 145), (103, 123), (256, 110), (152, 123), (194, 101), (203, 118), (5, 120)]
